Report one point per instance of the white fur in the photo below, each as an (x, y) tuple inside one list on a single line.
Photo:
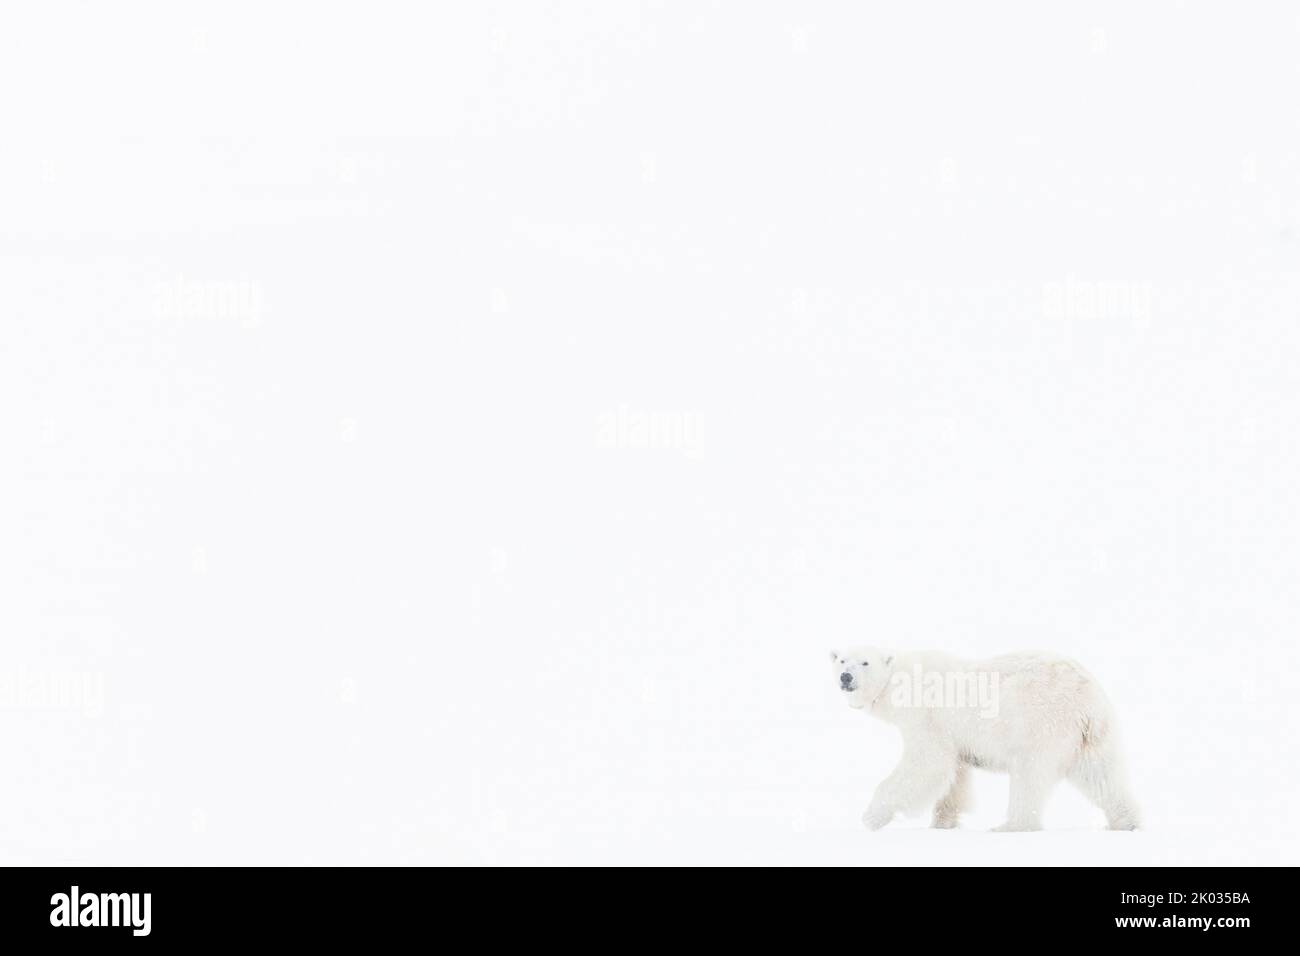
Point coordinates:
[(1052, 721)]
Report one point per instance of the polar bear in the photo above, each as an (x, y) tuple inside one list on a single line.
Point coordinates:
[(1034, 716)]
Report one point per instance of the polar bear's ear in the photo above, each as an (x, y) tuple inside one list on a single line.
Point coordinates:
[(835, 655), (889, 659)]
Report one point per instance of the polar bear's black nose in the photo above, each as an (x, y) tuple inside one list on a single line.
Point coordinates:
[(846, 678)]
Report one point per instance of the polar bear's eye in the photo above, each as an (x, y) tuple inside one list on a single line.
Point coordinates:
[(866, 663)]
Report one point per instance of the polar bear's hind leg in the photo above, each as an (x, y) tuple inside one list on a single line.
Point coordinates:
[(1031, 784), (1099, 774)]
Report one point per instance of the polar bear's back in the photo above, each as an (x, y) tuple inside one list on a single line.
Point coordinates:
[(1040, 678), (1023, 668), (1044, 703), (1045, 696)]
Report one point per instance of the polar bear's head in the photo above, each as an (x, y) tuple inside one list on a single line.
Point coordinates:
[(861, 673)]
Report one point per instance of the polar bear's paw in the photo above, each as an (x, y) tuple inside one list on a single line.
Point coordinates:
[(874, 819), (1122, 816), (944, 823)]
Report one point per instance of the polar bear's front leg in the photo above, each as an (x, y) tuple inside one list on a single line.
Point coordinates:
[(949, 809), (922, 775), (878, 815)]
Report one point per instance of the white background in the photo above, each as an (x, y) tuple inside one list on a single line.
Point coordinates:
[(331, 333)]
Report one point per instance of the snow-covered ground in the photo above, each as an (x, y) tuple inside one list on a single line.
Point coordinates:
[(459, 435)]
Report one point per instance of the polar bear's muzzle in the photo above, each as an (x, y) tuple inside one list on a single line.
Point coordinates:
[(846, 682)]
